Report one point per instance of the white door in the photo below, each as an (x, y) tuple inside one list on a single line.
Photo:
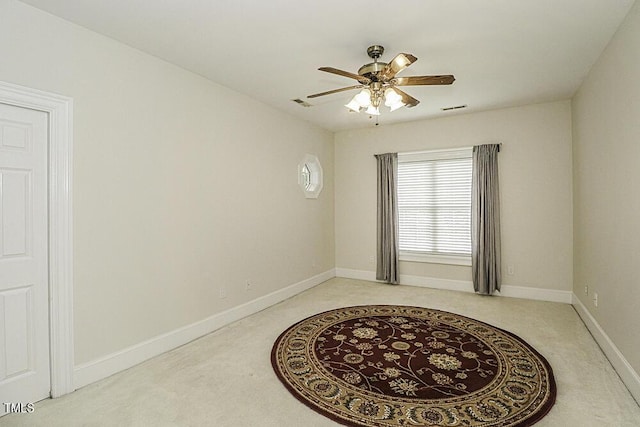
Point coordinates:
[(24, 293)]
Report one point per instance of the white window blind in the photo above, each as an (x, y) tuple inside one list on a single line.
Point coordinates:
[(434, 203)]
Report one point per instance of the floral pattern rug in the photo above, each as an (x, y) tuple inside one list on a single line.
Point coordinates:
[(389, 365)]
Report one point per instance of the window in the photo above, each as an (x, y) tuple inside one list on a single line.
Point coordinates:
[(434, 206), (310, 176), (305, 177)]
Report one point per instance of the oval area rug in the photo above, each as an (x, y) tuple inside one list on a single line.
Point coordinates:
[(386, 365)]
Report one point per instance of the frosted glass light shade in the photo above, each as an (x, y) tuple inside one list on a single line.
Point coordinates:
[(394, 107), (392, 99), (353, 105), (375, 111), (363, 98)]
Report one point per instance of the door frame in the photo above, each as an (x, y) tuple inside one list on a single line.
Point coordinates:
[(60, 223)]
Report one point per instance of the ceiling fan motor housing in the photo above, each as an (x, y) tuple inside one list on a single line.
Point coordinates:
[(372, 69)]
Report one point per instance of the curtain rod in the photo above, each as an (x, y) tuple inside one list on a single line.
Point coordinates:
[(499, 144)]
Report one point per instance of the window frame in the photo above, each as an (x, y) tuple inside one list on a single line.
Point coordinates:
[(430, 155)]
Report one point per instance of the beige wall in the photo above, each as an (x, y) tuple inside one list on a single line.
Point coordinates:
[(606, 152), (180, 186), (535, 180)]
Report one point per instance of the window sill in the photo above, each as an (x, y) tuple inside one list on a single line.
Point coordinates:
[(435, 259)]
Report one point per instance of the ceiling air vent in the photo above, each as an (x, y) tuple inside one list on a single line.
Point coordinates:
[(301, 102), (457, 107)]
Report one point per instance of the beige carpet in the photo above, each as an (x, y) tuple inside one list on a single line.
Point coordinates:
[(226, 379)]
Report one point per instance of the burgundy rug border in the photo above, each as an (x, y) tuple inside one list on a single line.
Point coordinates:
[(544, 409), (294, 392)]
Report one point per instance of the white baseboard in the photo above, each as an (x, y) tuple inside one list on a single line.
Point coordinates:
[(511, 291), (110, 364), (348, 273), (626, 372), (551, 295)]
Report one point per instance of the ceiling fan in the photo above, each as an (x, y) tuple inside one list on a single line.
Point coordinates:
[(379, 83)]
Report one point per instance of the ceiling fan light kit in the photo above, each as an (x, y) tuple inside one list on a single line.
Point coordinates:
[(378, 83)]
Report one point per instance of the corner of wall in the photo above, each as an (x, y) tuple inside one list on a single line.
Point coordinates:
[(626, 372)]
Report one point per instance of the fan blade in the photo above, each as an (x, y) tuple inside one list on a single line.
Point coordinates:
[(424, 80), (315, 95), (409, 100), (397, 64), (361, 79)]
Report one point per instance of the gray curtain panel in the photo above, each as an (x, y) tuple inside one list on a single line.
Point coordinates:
[(485, 220), (387, 246)]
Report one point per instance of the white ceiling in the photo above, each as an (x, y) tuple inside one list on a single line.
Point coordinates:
[(502, 52)]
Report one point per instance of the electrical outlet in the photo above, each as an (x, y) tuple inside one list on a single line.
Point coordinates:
[(372, 259), (223, 292), (586, 289), (595, 299), (510, 270), (248, 285)]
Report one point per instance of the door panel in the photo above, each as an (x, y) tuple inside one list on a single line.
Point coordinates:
[(18, 334), (14, 211), (24, 288)]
